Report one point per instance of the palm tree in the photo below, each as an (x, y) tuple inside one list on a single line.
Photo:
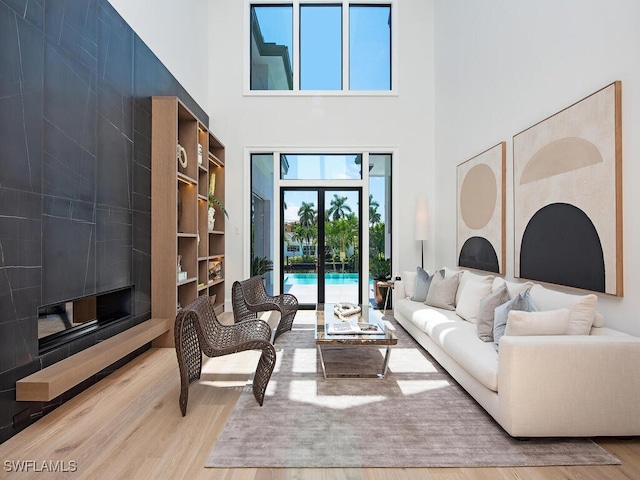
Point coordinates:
[(374, 216), (339, 207), (306, 235), (297, 235), (340, 235), (307, 214)]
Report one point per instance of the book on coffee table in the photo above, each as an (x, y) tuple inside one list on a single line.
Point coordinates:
[(353, 327)]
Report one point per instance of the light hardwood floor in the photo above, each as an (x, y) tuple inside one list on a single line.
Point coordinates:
[(129, 426)]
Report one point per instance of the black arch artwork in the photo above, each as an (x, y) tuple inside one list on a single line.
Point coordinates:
[(561, 245), (477, 252)]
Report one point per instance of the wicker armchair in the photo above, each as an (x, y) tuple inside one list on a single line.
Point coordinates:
[(197, 330), (250, 298)]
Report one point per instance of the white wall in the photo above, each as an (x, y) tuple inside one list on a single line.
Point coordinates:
[(502, 66), (404, 122), (177, 32)]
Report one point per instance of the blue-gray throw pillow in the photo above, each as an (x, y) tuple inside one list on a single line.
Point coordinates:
[(522, 301), (423, 282)]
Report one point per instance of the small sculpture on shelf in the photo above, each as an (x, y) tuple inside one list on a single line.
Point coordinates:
[(181, 275), (211, 218), (181, 154)]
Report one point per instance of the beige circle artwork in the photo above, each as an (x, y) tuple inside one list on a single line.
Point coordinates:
[(478, 196)]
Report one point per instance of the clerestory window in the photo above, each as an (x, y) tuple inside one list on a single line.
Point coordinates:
[(328, 46)]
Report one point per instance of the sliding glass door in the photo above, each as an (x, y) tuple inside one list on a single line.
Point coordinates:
[(321, 244)]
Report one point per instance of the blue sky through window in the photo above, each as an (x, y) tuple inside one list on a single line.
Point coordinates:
[(320, 47), (320, 56), (369, 47)]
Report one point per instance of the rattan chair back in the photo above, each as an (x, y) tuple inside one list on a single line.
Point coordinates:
[(249, 298), (197, 331)]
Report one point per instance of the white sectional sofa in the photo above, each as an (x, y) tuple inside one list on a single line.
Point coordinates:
[(534, 385)]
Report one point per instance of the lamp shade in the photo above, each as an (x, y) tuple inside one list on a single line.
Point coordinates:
[(421, 223)]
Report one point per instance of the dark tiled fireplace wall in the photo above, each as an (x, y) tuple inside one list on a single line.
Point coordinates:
[(75, 180)]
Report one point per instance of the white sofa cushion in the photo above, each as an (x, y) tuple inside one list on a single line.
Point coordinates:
[(548, 322), (514, 288), (582, 307), (457, 337), (470, 292), (427, 319), (409, 282)]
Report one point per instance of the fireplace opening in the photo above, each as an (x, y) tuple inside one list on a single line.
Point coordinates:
[(63, 322)]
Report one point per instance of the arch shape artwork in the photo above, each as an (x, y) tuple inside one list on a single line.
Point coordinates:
[(478, 253), (561, 245)]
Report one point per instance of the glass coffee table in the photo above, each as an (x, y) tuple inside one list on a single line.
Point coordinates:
[(371, 332)]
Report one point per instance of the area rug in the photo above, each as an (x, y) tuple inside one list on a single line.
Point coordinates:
[(418, 416)]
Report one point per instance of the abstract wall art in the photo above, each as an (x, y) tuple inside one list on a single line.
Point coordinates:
[(567, 188), (481, 210)]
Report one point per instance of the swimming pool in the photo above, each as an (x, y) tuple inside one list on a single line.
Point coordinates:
[(312, 279)]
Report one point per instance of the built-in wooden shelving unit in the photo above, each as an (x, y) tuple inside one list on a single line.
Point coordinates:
[(184, 157)]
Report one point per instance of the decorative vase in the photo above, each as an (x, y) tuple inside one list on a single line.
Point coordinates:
[(181, 154), (211, 220)]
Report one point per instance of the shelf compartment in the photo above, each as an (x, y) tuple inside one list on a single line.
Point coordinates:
[(187, 221)]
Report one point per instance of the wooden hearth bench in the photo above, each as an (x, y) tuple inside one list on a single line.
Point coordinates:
[(52, 381)]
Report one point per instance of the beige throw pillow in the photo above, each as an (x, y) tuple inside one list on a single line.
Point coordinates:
[(583, 307), (468, 301), (442, 291), (486, 312), (549, 322)]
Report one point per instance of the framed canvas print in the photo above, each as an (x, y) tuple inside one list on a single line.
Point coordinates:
[(567, 187), (480, 234)]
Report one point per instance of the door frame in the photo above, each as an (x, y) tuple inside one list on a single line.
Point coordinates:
[(321, 208), (241, 252)]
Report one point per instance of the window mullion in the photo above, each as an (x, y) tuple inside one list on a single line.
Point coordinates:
[(345, 45), (296, 45)]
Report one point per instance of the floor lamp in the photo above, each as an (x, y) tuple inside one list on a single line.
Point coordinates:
[(420, 224)]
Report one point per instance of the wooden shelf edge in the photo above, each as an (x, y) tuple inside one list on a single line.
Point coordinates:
[(186, 179), (50, 382), (215, 160)]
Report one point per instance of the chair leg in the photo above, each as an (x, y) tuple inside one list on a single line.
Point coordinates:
[(184, 397), (265, 367), (189, 357), (285, 324)]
